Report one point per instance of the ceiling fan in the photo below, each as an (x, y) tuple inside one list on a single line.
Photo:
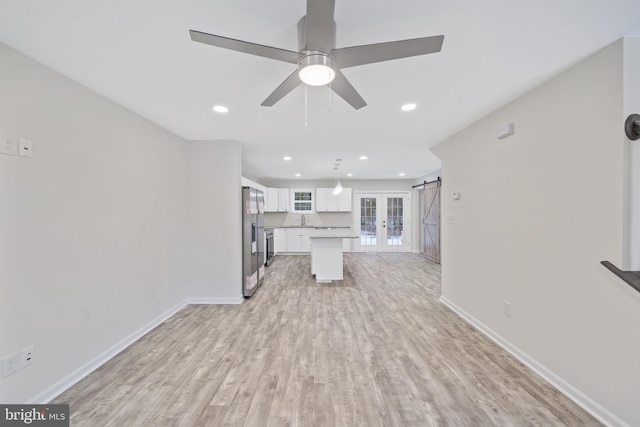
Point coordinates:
[(319, 62)]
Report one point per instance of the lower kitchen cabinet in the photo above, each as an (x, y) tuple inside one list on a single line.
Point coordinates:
[(280, 240), (298, 240), (293, 240)]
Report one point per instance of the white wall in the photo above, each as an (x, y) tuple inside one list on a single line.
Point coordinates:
[(90, 228), (538, 212), (215, 203)]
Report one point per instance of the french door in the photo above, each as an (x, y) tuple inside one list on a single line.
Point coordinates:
[(382, 222)]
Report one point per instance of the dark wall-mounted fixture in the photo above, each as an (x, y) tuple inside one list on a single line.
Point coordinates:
[(632, 126)]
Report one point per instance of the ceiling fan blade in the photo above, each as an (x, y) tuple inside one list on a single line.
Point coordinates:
[(319, 26), (346, 91), (289, 84), (246, 47), (371, 53)]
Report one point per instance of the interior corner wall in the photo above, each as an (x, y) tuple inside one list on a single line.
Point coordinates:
[(215, 221), (632, 106), (538, 212), (92, 228)]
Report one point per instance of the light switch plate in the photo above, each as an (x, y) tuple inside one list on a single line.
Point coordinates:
[(8, 146), (10, 364), (25, 148)]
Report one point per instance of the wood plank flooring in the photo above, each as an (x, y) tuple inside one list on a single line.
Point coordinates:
[(376, 349)]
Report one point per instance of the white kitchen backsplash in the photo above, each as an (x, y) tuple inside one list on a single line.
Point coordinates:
[(284, 219)]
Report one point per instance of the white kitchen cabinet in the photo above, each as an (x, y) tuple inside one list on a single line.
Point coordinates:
[(277, 200), (346, 245), (283, 200), (326, 201), (280, 240), (323, 195), (344, 200), (272, 200), (298, 240)]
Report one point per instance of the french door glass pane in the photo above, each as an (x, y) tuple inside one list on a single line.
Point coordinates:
[(368, 222), (394, 221)]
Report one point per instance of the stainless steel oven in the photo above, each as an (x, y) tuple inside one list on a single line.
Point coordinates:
[(269, 249)]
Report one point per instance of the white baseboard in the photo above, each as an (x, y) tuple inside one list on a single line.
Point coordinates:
[(56, 389), (236, 300), (59, 387), (588, 404)]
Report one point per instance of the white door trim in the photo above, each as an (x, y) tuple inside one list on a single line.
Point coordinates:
[(382, 197)]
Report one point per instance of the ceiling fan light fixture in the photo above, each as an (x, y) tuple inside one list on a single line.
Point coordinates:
[(316, 69)]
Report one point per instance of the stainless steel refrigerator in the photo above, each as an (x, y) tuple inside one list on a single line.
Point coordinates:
[(252, 240)]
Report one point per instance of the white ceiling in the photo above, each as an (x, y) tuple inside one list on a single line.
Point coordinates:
[(139, 54)]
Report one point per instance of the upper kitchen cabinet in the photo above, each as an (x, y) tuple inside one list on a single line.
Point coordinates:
[(277, 200), (326, 201)]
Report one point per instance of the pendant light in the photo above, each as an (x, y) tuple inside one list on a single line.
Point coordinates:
[(338, 188)]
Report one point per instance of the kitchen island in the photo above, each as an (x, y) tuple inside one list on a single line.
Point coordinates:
[(326, 253)]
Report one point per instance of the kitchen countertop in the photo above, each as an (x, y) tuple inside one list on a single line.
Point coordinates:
[(333, 233), (319, 227)]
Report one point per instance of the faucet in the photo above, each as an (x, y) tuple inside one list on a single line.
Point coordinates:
[(302, 221)]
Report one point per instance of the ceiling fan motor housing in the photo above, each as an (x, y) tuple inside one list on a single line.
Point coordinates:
[(317, 67), (324, 42)]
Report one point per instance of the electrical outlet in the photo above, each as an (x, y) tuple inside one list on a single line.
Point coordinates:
[(8, 146), (507, 309), (25, 148), (28, 355), (10, 364)]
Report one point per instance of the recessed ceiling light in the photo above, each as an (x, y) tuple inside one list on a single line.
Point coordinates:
[(286, 158), (220, 109), (408, 107), (349, 174), (402, 174), (298, 175), (363, 157)]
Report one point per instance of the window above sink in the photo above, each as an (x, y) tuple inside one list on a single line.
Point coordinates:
[(302, 200)]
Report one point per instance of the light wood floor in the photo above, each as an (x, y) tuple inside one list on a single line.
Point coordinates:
[(375, 349)]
